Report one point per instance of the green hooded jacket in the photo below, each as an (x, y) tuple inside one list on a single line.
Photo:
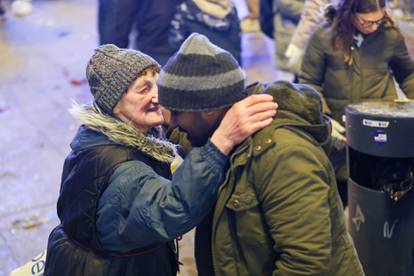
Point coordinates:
[(278, 211)]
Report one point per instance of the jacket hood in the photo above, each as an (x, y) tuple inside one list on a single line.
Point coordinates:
[(300, 107), (100, 129)]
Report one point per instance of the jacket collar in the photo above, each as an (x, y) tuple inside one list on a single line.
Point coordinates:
[(300, 109), (110, 130)]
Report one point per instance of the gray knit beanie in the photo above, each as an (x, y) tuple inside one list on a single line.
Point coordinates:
[(200, 77), (112, 70)]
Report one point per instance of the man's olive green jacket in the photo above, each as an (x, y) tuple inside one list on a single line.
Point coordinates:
[(278, 211)]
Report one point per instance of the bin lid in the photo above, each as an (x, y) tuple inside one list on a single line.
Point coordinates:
[(381, 128), (395, 109)]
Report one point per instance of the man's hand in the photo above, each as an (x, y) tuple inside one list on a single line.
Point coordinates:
[(295, 57), (338, 134), (242, 120), (338, 131)]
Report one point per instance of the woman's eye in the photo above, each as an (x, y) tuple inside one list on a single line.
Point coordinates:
[(143, 90)]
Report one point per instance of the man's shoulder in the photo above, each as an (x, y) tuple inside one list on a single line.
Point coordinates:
[(285, 142), (292, 138), (282, 138), (291, 149)]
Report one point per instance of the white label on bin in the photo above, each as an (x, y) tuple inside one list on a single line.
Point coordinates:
[(374, 123)]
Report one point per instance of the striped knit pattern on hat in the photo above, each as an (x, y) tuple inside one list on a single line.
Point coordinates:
[(200, 77), (112, 70)]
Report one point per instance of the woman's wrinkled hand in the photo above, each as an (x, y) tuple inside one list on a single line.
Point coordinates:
[(242, 120)]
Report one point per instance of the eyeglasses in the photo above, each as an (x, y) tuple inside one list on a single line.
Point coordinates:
[(369, 23)]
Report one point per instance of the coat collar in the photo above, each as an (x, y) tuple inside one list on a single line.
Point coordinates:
[(121, 133)]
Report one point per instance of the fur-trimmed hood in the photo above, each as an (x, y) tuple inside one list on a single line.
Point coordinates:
[(100, 129)]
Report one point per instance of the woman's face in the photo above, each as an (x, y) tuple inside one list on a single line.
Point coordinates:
[(139, 105), (369, 22)]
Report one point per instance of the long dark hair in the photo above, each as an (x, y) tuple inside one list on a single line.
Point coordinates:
[(343, 29)]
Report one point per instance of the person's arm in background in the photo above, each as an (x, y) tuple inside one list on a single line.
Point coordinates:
[(140, 208), (311, 17), (402, 66), (266, 17), (115, 21), (290, 8), (178, 29), (313, 67)]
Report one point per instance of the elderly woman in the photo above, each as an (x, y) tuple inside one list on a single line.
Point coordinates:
[(119, 206)]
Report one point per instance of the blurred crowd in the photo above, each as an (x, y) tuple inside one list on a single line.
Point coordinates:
[(279, 210), (402, 9), (338, 52), (159, 27)]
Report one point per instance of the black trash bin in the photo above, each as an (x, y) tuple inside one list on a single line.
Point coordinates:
[(380, 157)]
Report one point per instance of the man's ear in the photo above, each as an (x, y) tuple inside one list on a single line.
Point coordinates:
[(207, 114)]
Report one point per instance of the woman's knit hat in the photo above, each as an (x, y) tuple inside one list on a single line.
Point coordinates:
[(112, 70), (200, 77)]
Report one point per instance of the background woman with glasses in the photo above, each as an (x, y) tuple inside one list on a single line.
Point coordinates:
[(353, 58)]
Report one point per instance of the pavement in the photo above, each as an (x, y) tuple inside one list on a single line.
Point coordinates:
[(42, 63), (39, 56)]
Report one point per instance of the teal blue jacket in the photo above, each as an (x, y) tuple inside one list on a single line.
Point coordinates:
[(141, 208)]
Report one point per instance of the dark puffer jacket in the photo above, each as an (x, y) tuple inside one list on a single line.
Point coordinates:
[(380, 58), (74, 247)]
